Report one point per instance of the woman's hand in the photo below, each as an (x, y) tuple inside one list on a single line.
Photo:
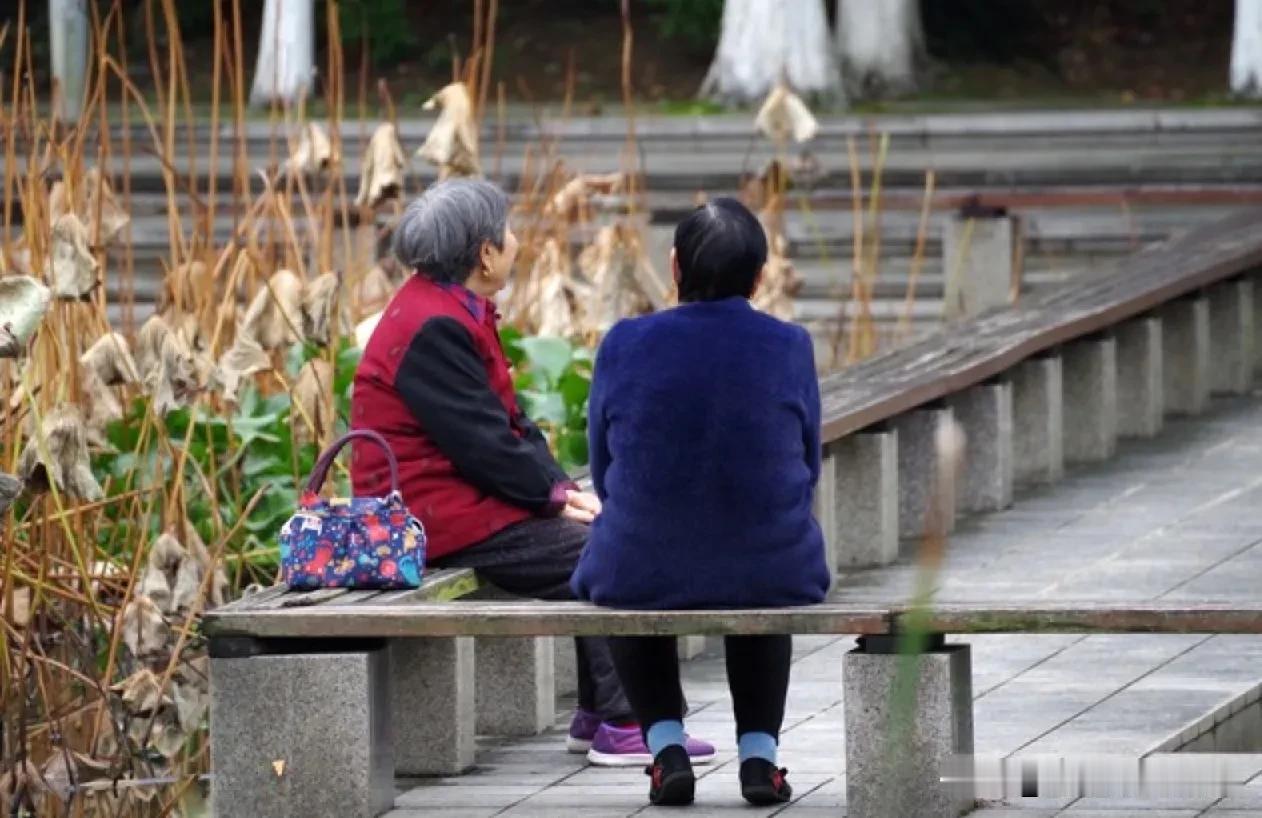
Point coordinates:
[(581, 506)]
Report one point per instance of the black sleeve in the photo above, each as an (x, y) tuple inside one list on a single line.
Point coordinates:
[(443, 381), (540, 442)]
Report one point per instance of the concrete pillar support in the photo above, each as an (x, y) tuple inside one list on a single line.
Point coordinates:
[(985, 413), (866, 498), (1141, 398), (1090, 402), (1038, 451)]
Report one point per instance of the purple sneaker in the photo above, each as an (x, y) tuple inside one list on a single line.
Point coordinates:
[(624, 747), (583, 729)]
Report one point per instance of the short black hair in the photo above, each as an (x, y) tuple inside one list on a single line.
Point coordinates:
[(721, 248)]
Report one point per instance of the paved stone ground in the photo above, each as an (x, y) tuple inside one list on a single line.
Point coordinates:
[(1174, 518)]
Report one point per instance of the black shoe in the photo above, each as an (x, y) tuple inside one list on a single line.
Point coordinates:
[(673, 784), (763, 784)]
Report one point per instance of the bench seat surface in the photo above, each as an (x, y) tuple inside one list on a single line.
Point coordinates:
[(402, 614)]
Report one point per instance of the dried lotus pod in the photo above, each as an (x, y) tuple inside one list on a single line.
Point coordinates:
[(100, 198), (312, 413), (145, 632), (19, 785), (106, 363), (381, 176), (217, 594), (274, 317), (140, 693), (67, 770), (452, 144), (550, 310), (110, 359), (375, 290), (364, 330), (625, 285), (168, 366), (314, 152), (10, 488), (783, 114), (72, 267), (23, 304), (61, 458), (192, 701), (243, 359), (319, 299), (573, 198), (149, 345), (779, 284), (166, 555)]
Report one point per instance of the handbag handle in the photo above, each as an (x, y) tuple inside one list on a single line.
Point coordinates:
[(322, 466)]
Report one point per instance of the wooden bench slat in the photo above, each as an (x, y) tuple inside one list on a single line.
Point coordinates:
[(439, 619), (535, 618), (260, 598), (440, 584), (1089, 617), (316, 597), (970, 352)]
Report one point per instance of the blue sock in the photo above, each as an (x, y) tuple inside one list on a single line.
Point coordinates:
[(663, 734), (757, 745)]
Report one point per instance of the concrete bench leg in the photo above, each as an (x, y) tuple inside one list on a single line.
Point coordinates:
[(690, 647), (1185, 347), (866, 498), (433, 693), (1231, 337), (985, 413), (1257, 325), (886, 776), (565, 667), (1141, 397), (1038, 451), (918, 469), (279, 746), (825, 505), (516, 685), (1090, 409)]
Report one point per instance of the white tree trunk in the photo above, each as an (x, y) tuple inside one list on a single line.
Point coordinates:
[(881, 44), (68, 30), (286, 61), (1246, 49), (764, 41)]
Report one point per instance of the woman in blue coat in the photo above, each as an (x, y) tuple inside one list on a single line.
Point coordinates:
[(704, 426)]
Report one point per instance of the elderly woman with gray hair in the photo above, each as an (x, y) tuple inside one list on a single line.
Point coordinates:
[(478, 473)]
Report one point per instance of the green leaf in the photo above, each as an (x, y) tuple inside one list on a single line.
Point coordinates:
[(574, 389), (510, 338), (547, 407), (549, 356), (572, 450)]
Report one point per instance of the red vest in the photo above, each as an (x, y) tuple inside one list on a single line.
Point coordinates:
[(455, 513)]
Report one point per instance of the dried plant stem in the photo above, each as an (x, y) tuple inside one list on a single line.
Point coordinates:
[(918, 256)]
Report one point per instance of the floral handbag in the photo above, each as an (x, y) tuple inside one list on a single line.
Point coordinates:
[(365, 543)]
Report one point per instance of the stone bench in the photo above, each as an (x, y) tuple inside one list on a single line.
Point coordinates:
[(315, 708), (502, 686)]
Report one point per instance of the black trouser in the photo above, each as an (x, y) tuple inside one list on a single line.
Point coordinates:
[(535, 559), (757, 675)]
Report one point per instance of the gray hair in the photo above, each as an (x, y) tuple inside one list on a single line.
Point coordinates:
[(442, 231)]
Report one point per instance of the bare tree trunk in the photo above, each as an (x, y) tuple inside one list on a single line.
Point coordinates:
[(881, 45), (286, 63), (1246, 49), (764, 41), (68, 30)]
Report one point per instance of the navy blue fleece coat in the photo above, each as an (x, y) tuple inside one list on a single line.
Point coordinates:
[(704, 430)]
